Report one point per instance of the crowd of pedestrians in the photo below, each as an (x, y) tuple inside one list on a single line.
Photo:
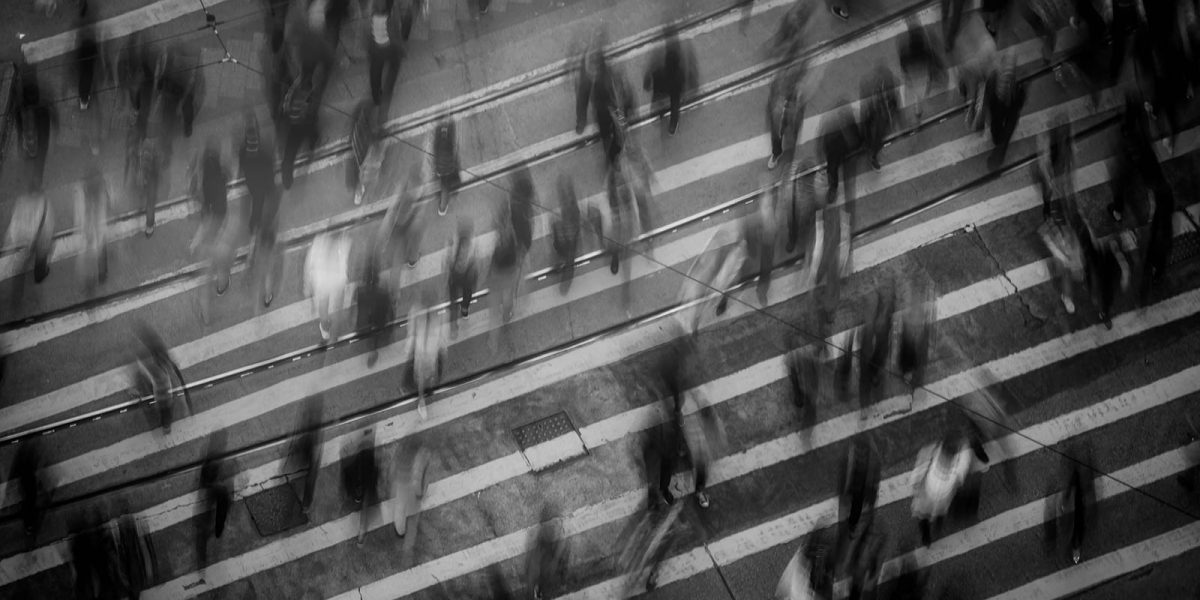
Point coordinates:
[(802, 211)]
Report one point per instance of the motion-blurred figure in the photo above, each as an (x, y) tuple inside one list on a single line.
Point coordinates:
[(217, 494), (760, 233), (608, 94), (409, 11), (384, 52), (427, 347), (154, 375), (788, 40), (360, 476), (90, 552), (443, 147), (922, 65), (135, 556), (545, 565), (310, 449), (135, 72), (404, 223), (1137, 169), (35, 122), (301, 105), (1070, 513), (859, 489), (91, 212), (181, 88), (785, 110), (87, 53), (715, 269), (940, 471), (408, 480), (256, 160), (208, 186), (374, 303), (30, 474), (649, 541), (916, 333), (801, 579), (1053, 171), (565, 230), (463, 270), (366, 140), (31, 231), (326, 274), (876, 343), (671, 74), (952, 12), (840, 137), (1004, 97), (881, 106), (514, 236)]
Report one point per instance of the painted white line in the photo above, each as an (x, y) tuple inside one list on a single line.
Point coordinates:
[(1084, 576), (791, 527), (1016, 520), (746, 380), (432, 265), (162, 11)]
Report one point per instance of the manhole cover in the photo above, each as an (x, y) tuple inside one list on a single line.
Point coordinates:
[(1185, 247), (549, 441), (276, 509)]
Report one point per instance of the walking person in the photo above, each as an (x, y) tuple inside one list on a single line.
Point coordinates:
[(607, 93), (87, 53), (92, 208), (940, 470), (922, 66), (408, 481), (326, 275), (463, 270), (31, 231), (785, 111), (301, 106), (404, 223), (446, 167), (35, 122), (146, 165), (360, 475), (209, 179), (427, 347), (671, 74), (1053, 171), (384, 52), (256, 161), (565, 231), (29, 471), (366, 141), (374, 304), (880, 107), (217, 495), (310, 449), (1004, 97), (155, 374)]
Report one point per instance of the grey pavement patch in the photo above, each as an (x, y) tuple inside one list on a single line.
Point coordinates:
[(276, 509)]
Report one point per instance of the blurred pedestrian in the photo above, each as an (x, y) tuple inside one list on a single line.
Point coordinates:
[(29, 471), (788, 40), (508, 258), (136, 556), (360, 475), (408, 480), (463, 270), (880, 109), (427, 347), (840, 137), (383, 52), (1004, 99), (310, 449), (374, 303), (89, 554), (404, 224), (652, 539), (671, 74), (276, 21), (808, 375), (446, 167), (146, 164), (1053, 171), (91, 212), (940, 470), (922, 65), (522, 198), (1070, 513), (87, 52), (366, 141), (217, 495), (785, 110), (326, 275), (876, 346), (301, 105), (796, 581), (859, 489), (761, 236), (31, 232), (607, 93), (952, 12), (135, 72), (181, 87), (409, 11), (545, 565), (256, 161), (916, 334), (1161, 239), (716, 269), (156, 375), (1137, 168), (35, 121), (565, 230), (209, 180)]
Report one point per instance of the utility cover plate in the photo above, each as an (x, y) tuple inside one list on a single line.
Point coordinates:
[(549, 441), (275, 509)]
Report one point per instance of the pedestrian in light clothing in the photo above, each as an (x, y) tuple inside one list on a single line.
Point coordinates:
[(31, 231), (427, 347), (92, 209), (326, 272)]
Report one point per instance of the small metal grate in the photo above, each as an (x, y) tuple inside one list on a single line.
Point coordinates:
[(276, 509), (543, 430)]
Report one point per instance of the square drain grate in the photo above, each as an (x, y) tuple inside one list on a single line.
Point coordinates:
[(276, 509), (549, 441)]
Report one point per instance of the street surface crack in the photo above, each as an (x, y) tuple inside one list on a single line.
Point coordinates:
[(982, 243)]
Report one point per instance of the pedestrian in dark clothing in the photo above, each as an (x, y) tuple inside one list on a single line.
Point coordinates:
[(209, 179), (785, 110), (876, 345), (301, 105), (35, 119), (310, 449), (135, 556), (87, 52), (881, 106), (89, 557), (545, 564), (31, 231), (360, 474), (1004, 97), (521, 199), (383, 52), (565, 230), (464, 273), (155, 373), (366, 141), (839, 140), (1127, 30), (1137, 167), (660, 458), (408, 15), (35, 491), (919, 61), (277, 78), (915, 335), (217, 494), (672, 73), (374, 303), (608, 94), (146, 164), (256, 160), (1158, 246), (859, 488), (446, 166), (788, 40), (181, 85), (136, 72), (276, 21), (952, 13)]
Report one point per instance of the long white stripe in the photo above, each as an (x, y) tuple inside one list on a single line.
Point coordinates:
[(797, 524)]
